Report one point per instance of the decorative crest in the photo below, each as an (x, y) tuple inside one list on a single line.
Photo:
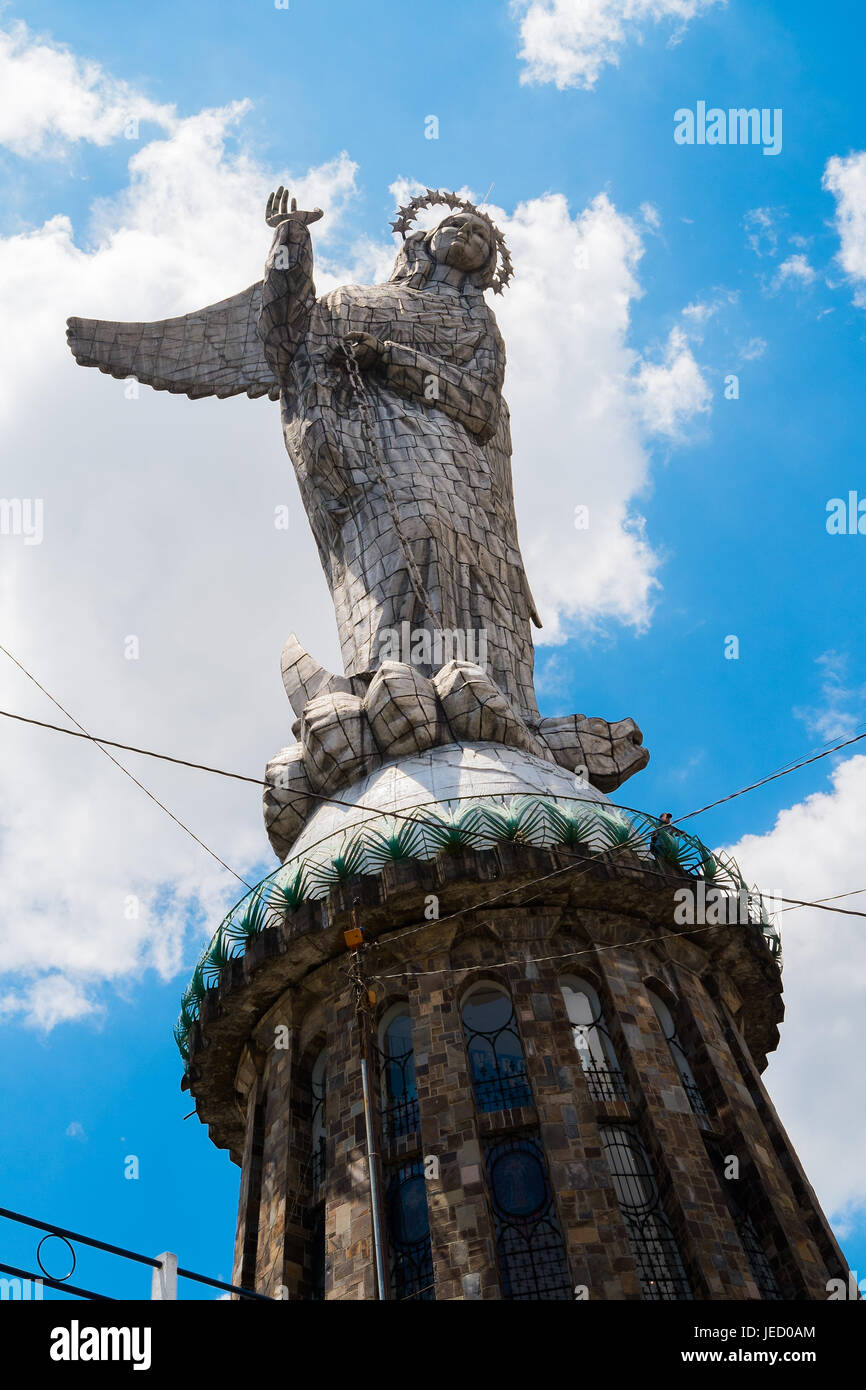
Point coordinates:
[(430, 198)]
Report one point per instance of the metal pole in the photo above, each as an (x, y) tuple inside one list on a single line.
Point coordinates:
[(372, 1157), (354, 938)]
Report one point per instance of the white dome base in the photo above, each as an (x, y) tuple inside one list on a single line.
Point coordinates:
[(441, 775)]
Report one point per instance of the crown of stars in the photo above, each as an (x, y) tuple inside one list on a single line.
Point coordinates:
[(433, 196)]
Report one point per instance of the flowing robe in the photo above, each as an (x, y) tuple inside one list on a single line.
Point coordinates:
[(441, 442)]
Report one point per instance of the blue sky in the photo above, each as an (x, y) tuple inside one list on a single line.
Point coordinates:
[(708, 261)]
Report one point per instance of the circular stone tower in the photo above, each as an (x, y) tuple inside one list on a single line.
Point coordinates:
[(485, 1035)]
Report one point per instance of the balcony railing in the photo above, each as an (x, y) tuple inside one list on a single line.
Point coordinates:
[(476, 822), (165, 1268)]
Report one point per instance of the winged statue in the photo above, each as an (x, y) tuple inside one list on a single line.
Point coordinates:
[(394, 420)]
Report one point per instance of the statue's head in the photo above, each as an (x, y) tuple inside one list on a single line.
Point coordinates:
[(466, 241), (463, 241)]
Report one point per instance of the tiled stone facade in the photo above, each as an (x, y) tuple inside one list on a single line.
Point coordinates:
[(722, 987)]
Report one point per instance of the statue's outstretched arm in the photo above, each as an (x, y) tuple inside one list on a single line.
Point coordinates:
[(469, 394), (288, 292)]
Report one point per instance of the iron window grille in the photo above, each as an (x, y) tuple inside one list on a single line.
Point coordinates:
[(317, 1164), (317, 1129), (747, 1231), (496, 1060), (317, 1252), (650, 1235), (695, 1099), (604, 1079), (532, 1258), (400, 1114), (411, 1254), (680, 1058), (399, 1087), (604, 1083), (757, 1257)]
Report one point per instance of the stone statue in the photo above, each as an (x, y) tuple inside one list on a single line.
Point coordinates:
[(393, 417)]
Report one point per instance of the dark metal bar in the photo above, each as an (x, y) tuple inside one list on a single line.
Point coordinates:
[(217, 1284), (55, 1284), (85, 1240), (112, 1250)]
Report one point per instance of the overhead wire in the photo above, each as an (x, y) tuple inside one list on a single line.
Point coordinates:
[(358, 805), (564, 955), (125, 770), (103, 744), (794, 767), (852, 893)]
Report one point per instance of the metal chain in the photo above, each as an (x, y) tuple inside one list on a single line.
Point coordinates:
[(359, 391)]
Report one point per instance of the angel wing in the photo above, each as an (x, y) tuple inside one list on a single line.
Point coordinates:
[(213, 352)]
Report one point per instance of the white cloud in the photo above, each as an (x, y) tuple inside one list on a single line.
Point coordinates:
[(158, 520), (814, 850), (834, 718), (568, 42), (50, 99), (753, 350), (699, 312), (43, 1003), (796, 270), (674, 390), (761, 230), (846, 180), (583, 408), (702, 310)]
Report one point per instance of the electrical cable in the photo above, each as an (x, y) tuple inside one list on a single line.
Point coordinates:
[(101, 743), (125, 770)]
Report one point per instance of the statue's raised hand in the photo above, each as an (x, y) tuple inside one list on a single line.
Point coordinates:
[(279, 209)]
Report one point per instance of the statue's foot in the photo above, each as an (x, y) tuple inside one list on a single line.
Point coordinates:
[(350, 725)]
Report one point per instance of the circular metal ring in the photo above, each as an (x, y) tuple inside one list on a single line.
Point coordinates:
[(59, 1278)]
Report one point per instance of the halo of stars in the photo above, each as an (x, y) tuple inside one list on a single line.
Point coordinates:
[(429, 198)]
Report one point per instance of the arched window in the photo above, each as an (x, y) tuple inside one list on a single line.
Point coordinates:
[(652, 1241), (594, 1044), (411, 1255), (496, 1060), (397, 1069), (532, 1257), (318, 1137), (318, 1132), (737, 1194), (678, 1053)]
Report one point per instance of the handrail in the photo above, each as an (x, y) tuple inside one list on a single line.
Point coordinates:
[(65, 1234), (56, 1283), (74, 1235)]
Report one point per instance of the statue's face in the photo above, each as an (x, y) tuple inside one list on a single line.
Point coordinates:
[(463, 241)]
